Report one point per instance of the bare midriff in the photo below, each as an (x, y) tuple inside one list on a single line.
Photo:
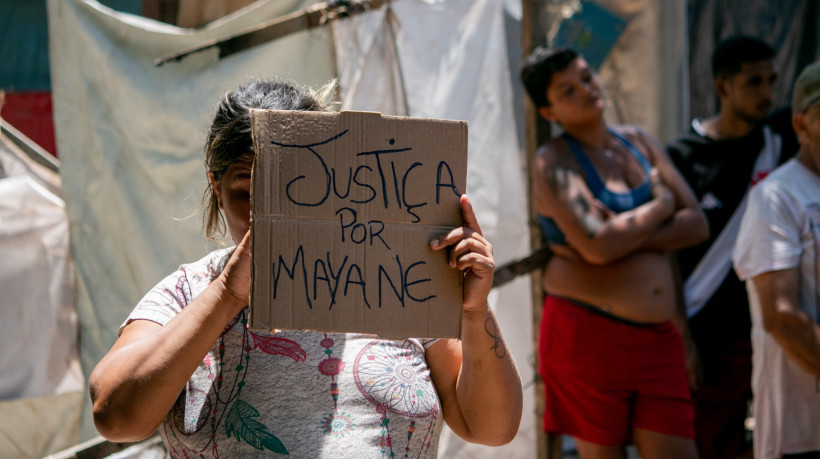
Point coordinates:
[(639, 287)]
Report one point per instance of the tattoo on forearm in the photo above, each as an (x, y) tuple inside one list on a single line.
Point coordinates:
[(491, 327)]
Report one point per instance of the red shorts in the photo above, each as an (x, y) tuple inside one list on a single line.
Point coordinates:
[(604, 376)]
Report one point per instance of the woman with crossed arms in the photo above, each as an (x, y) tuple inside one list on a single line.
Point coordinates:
[(612, 207)]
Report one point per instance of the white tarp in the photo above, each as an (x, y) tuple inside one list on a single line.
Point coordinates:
[(449, 61), (131, 135), (41, 384), (38, 317)]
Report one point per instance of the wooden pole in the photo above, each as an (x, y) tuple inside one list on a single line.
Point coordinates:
[(535, 23)]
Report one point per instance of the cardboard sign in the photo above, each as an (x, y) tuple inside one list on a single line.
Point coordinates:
[(344, 206)]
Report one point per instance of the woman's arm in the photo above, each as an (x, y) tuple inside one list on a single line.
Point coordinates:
[(476, 378), (688, 225), (137, 382), (599, 238)]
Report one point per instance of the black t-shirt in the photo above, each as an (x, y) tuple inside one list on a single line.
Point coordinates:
[(719, 172)]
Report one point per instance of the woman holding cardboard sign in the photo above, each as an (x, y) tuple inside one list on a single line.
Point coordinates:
[(612, 206), (186, 363)]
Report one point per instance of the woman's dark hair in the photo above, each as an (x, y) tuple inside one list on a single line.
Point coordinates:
[(229, 138), (537, 71)]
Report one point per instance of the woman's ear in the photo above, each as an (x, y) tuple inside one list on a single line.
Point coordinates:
[(215, 188)]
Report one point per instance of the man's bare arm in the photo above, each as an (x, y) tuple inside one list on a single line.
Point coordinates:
[(793, 329)]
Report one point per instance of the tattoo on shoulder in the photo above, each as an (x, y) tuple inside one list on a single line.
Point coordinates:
[(582, 207), (491, 327), (557, 173)]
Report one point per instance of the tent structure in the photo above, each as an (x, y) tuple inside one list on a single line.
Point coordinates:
[(41, 386), (130, 138)]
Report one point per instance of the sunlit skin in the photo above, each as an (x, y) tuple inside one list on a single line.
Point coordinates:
[(233, 193), (575, 95), (603, 246)]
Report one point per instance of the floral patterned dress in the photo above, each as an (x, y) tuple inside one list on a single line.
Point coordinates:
[(296, 393)]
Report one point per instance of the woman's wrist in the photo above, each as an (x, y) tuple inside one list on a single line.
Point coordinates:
[(228, 301), (476, 314)]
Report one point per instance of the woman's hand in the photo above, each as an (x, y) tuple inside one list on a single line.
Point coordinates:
[(476, 378), (137, 382), (660, 192), (471, 254), (235, 280)]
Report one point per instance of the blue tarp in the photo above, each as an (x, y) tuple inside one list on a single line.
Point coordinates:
[(24, 43)]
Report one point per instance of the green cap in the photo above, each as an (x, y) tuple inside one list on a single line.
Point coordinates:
[(806, 88)]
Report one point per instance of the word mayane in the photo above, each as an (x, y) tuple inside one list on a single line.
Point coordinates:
[(323, 273)]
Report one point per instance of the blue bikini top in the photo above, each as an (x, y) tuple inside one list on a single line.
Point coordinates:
[(617, 202)]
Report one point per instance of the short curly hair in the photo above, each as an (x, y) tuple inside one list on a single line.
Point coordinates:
[(540, 66)]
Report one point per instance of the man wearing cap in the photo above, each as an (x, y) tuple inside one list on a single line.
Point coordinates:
[(777, 253)]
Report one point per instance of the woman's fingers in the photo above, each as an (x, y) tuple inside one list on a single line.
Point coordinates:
[(470, 228), (470, 253), (468, 215), (473, 249), (456, 235), (468, 249), (237, 272)]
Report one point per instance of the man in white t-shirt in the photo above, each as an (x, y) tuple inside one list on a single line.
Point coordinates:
[(777, 253)]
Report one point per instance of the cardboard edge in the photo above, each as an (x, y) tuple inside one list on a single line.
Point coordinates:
[(259, 116), (255, 116)]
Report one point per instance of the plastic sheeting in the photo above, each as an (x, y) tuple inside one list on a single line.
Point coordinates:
[(449, 61), (38, 426), (41, 384), (38, 317)]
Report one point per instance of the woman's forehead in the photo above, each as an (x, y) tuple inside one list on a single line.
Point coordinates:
[(245, 160), (575, 67), (242, 164)]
